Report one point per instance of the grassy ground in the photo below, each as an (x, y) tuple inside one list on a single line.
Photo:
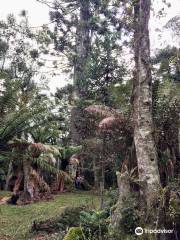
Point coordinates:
[(15, 221)]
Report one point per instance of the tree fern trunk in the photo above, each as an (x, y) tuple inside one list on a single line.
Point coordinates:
[(9, 174), (18, 181), (26, 172)]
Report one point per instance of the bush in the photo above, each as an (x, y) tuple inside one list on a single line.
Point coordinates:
[(74, 233), (130, 215), (111, 197), (130, 220), (69, 218), (94, 223)]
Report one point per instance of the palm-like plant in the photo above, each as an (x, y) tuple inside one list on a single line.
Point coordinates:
[(27, 162)]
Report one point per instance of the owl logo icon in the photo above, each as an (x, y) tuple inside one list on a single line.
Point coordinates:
[(139, 231)]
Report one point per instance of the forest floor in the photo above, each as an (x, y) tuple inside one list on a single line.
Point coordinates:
[(16, 221)]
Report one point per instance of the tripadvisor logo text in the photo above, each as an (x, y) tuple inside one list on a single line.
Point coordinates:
[(139, 231)]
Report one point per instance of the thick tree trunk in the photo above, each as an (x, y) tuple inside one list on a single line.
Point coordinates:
[(9, 175), (17, 184), (76, 120), (143, 124), (123, 181), (124, 192), (26, 172), (82, 49)]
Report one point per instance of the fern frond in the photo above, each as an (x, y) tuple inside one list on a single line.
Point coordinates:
[(44, 165)]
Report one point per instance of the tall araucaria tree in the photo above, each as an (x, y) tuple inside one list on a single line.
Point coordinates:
[(82, 28), (81, 57)]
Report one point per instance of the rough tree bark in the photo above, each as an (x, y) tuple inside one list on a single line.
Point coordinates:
[(123, 182), (82, 49), (8, 175), (26, 172), (142, 105)]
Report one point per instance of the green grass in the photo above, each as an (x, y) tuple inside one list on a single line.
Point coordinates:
[(5, 194), (16, 221)]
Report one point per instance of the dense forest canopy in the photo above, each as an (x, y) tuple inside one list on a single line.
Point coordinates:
[(112, 129)]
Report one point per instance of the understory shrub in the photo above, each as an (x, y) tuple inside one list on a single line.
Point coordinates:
[(95, 223), (74, 233), (130, 220), (69, 218), (111, 197), (130, 215)]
